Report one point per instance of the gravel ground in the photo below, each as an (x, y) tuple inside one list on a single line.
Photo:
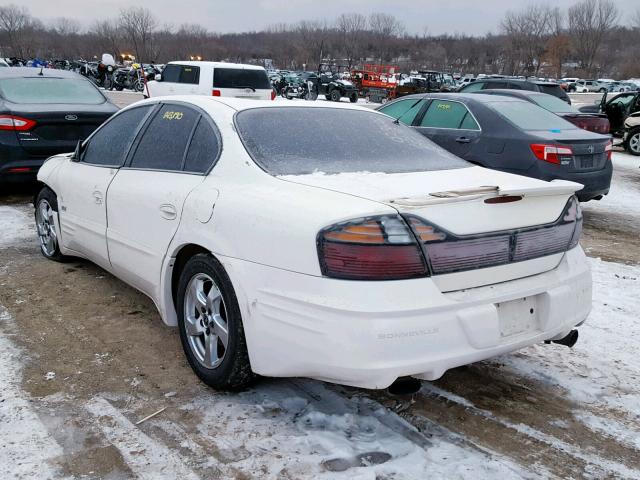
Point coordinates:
[(85, 357)]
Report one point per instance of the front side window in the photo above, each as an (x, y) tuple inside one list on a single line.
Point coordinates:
[(110, 143), (447, 114), (43, 90), (403, 110), (163, 143), (174, 73), (352, 141)]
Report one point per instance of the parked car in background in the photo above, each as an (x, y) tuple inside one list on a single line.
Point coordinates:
[(550, 88), (594, 122), (617, 108), (43, 113), (217, 79), (393, 257), (588, 86), (631, 136), (510, 135)]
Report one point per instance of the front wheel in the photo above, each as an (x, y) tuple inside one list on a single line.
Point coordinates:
[(335, 95), (353, 98), (211, 327), (46, 211), (632, 143)]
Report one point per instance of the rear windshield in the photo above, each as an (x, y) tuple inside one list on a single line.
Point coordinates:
[(304, 140), (50, 90), (528, 116), (554, 90), (241, 78), (553, 104)]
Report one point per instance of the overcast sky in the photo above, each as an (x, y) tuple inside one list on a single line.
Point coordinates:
[(475, 17)]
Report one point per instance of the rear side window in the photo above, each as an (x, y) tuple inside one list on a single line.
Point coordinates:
[(446, 114), (554, 90), (404, 110), (110, 144), (241, 78), (163, 144), (473, 87), (173, 73), (204, 148), (528, 116), (351, 141), (495, 85)]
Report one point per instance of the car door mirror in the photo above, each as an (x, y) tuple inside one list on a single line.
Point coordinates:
[(77, 153)]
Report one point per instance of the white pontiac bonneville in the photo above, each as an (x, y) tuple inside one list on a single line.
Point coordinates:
[(323, 240)]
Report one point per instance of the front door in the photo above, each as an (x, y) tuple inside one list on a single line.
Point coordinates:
[(82, 204)]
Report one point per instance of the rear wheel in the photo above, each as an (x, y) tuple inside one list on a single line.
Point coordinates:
[(353, 98), (210, 324), (46, 211), (632, 144), (335, 95)]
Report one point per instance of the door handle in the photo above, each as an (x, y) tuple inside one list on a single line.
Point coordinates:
[(97, 197), (463, 140), (168, 211)]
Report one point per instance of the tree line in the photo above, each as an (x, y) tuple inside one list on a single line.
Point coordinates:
[(586, 40)]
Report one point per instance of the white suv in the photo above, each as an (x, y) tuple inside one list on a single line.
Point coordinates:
[(216, 79)]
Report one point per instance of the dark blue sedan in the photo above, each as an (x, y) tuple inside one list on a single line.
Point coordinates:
[(511, 135)]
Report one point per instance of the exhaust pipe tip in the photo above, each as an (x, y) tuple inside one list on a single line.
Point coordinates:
[(569, 341), (405, 386)]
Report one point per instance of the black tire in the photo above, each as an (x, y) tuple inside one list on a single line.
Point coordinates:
[(327, 97), (47, 195), (603, 90), (353, 98), (631, 146), (119, 88), (335, 95), (234, 372)]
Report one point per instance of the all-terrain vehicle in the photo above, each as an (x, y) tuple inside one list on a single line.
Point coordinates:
[(333, 86)]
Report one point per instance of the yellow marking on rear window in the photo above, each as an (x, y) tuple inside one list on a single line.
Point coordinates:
[(444, 106), (173, 116)]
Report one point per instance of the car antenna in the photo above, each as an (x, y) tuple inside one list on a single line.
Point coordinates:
[(397, 120)]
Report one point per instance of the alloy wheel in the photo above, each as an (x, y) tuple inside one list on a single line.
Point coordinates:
[(46, 228), (205, 321), (634, 143)]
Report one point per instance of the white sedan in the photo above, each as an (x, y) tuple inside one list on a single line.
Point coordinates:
[(325, 241)]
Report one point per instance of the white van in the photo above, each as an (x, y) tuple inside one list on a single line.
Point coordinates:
[(216, 79)]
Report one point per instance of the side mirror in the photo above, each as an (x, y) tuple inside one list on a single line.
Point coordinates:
[(158, 77), (77, 153)]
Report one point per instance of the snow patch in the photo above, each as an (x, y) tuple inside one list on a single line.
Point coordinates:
[(16, 225)]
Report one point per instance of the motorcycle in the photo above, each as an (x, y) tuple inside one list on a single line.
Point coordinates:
[(299, 87), (129, 78)]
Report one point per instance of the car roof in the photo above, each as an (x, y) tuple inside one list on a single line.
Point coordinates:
[(215, 64), (463, 97), (34, 72)]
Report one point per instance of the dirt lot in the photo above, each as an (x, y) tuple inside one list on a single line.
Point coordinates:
[(84, 357)]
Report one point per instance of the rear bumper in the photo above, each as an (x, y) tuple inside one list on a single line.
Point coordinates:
[(20, 171), (367, 334), (595, 183)]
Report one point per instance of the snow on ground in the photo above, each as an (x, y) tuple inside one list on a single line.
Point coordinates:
[(25, 443), (17, 224)]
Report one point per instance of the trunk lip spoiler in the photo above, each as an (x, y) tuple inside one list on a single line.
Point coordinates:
[(555, 187)]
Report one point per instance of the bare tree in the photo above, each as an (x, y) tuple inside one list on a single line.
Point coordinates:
[(386, 25), (589, 23), (108, 36), (351, 27), (66, 26), (559, 44), (528, 32), (138, 25), (15, 22)]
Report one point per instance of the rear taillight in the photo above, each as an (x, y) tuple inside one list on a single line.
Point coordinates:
[(11, 122), (609, 150), (273, 94), (552, 153), (373, 248), (216, 93), (592, 124)]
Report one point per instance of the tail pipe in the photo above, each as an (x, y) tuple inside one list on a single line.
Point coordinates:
[(569, 341), (405, 386)]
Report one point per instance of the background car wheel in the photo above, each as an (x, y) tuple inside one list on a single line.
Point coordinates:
[(602, 90), (353, 98), (632, 144), (46, 209), (335, 95), (210, 324)]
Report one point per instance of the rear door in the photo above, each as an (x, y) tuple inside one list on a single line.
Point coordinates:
[(145, 200), (241, 82), (450, 124), (82, 198)]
